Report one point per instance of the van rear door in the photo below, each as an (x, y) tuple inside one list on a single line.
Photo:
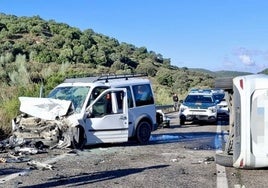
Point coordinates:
[(108, 118)]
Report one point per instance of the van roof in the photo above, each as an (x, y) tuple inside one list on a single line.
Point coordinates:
[(109, 80)]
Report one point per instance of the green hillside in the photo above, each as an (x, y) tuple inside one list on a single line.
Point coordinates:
[(44, 49)]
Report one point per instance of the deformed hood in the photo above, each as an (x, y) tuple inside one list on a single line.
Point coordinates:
[(44, 108)]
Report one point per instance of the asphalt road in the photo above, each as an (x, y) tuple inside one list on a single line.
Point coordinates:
[(179, 156)]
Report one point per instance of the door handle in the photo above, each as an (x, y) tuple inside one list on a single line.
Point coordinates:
[(123, 117)]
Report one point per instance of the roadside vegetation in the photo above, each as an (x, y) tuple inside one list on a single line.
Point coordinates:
[(35, 53)]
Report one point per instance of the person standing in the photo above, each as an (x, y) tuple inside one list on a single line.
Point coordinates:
[(175, 101)]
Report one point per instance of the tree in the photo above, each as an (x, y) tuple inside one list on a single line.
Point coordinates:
[(117, 65), (20, 77), (147, 68), (164, 77), (66, 55)]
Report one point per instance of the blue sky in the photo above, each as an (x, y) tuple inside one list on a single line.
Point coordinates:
[(210, 34)]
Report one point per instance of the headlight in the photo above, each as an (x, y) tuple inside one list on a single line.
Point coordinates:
[(213, 109), (182, 108)]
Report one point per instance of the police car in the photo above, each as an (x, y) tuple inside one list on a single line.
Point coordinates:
[(199, 105)]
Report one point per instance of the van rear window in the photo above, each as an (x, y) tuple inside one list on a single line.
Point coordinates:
[(143, 95)]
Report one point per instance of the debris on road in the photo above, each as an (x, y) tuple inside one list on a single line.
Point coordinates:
[(164, 121), (40, 166), (207, 160)]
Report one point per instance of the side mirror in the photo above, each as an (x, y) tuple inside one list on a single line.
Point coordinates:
[(89, 113)]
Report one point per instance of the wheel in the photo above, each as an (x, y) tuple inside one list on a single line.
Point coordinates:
[(215, 122), (224, 159), (182, 121), (79, 138), (167, 124), (143, 132), (224, 83)]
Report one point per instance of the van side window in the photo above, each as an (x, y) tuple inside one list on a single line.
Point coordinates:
[(103, 106), (129, 96), (143, 95), (95, 93), (119, 101)]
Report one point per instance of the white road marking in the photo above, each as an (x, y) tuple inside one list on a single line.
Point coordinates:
[(221, 177), (221, 173), (26, 171)]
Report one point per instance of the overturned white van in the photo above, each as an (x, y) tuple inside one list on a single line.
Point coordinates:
[(248, 137), (89, 110), (250, 108)]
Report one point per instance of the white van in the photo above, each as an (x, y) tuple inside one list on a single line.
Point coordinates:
[(90, 110), (247, 145)]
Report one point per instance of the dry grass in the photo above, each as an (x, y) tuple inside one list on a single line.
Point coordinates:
[(5, 125)]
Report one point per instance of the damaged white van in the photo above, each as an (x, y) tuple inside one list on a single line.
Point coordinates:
[(89, 110)]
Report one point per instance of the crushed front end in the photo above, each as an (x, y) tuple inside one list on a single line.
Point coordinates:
[(43, 121)]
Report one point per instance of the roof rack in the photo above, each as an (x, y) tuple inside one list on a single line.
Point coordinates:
[(108, 77), (105, 77)]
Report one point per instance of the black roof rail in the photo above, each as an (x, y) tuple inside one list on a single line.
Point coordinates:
[(108, 77), (105, 77)]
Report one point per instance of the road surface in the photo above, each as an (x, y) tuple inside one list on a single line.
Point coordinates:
[(179, 156)]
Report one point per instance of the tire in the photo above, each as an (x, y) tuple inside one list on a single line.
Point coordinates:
[(224, 83), (167, 124), (79, 138), (143, 133), (182, 121), (215, 122), (224, 159)]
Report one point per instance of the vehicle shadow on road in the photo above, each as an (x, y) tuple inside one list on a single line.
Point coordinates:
[(8, 171), (89, 178), (168, 137)]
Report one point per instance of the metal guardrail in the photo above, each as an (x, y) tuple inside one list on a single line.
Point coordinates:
[(161, 107)]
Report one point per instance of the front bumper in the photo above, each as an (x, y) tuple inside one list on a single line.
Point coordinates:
[(200, 115)]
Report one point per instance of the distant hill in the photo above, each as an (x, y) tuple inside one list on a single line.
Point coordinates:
[(265, 71), (222, 73), (230, 73)]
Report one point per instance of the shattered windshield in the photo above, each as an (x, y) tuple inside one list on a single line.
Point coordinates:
[(76, 94)]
